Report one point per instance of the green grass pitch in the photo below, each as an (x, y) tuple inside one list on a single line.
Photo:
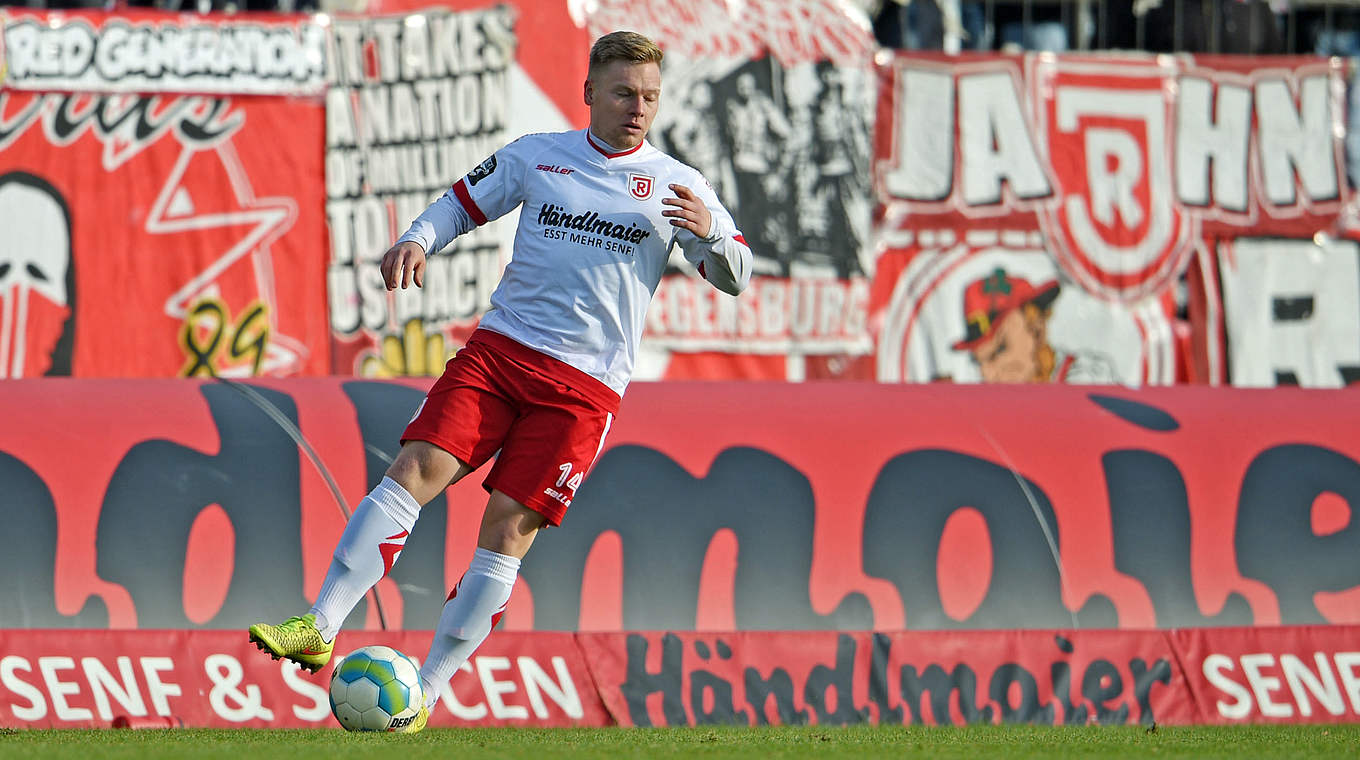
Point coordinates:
[(859, 742)]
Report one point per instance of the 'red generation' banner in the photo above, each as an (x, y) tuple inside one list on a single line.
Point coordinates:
[(159, 222), (1039, 212)]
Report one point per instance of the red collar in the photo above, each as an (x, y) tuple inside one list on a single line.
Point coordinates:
[(605, 150)]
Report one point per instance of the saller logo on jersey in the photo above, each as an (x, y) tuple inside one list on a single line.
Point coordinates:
[(640, 185), (482, 171)]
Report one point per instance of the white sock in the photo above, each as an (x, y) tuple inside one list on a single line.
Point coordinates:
[(368, 548), (468, 617)]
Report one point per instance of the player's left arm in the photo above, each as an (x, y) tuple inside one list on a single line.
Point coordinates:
[(709, 237)]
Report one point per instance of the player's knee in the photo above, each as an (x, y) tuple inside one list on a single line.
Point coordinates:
[(406, 470), (424, 470)]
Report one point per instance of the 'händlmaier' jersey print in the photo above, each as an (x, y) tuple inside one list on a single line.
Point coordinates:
[(591, 244)]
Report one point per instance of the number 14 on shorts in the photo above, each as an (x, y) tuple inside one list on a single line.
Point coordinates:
[(566, 479)]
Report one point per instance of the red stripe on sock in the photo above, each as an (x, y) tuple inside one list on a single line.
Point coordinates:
[(390, 551), (454, 592)]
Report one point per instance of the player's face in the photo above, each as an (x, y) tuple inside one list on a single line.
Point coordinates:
[(1010, 354), (623, 97)]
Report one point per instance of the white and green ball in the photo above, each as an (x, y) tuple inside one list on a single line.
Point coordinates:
[(375, 688)]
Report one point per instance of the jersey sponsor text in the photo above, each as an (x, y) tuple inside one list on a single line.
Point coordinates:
[(551, 215)]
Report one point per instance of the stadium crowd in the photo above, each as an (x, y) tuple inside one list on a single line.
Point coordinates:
[(1252, 27)]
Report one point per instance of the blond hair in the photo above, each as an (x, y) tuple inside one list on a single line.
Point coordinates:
[(623, 46)]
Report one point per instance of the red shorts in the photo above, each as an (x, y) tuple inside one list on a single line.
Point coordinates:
[(547, 419)]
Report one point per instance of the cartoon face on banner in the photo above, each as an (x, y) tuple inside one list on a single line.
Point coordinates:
[(1006, 327), (35, 277), (1116, 226), (1006, 315)]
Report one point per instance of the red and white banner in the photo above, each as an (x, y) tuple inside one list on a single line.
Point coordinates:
[(1297, 674), (1292, 311), (996, 307), (1038, 212), (158, 234), (67, 679), (1291, 674), (712, 507), (925, 218), (944, 678)]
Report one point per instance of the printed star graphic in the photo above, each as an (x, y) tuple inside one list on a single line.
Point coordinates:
[(185, 204)]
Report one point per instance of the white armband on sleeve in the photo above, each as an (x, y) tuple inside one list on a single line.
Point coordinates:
[(438, 225)]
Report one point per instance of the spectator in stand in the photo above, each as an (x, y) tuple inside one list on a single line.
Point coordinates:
[(1029, 25), (902, 25), (1245, 27), (948, 25), (1114, 25), (1327, 28)]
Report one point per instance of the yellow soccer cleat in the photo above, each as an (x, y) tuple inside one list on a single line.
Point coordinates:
[(296, 639), (417, 723)]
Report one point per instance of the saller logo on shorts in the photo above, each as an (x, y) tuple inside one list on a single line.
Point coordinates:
[(482, 171), (551, 215)]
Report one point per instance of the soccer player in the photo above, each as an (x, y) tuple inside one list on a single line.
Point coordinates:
[(542, 376)]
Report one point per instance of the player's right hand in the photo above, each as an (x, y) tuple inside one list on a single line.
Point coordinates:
[(403, 264)]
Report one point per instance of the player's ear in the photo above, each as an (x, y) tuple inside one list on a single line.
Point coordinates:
[(588, 92)]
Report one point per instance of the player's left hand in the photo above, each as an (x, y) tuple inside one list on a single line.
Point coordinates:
[(689, 213)]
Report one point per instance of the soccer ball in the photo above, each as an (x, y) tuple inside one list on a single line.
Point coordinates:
[(376, 688)]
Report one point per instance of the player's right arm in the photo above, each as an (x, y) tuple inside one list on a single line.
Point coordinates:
[(488, 192)]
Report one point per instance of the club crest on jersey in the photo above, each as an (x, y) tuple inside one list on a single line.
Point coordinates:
[(482, 171), (640, 185)]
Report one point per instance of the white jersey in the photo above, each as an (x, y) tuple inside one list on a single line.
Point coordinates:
[(591, 244)]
